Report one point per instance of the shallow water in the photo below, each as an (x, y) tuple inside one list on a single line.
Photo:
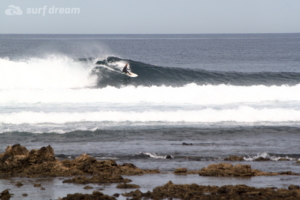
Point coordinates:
[(54, 188)]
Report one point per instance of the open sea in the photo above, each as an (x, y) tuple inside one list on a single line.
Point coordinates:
[(226, 94)]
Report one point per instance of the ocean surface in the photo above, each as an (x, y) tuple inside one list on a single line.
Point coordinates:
[(226, 94)]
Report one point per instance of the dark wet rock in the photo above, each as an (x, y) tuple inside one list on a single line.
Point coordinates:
[(127, 186), (262, 159), (185, 171), (37, 185), (99, 179), (19, 184), (44, 154), (116, 195), (131, 169), (5, 195), (24, 195), (194, 191), (283, 159), (180, 171), (88, 187), (95, 196), (294, 187), (187, 144), (135, 194), (288, 173), (168, 157), (18, 161), (227, 169), (234, 158)]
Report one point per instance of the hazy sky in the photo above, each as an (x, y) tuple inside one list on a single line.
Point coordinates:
[(149, 16)]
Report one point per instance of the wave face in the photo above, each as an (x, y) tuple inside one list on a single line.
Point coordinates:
[(109, 74)]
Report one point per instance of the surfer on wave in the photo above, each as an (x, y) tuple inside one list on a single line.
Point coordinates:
[(126, 69)]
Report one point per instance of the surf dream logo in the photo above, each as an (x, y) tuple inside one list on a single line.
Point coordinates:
[(13, 10)]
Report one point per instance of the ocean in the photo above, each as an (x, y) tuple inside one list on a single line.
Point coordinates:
[(225, 94)]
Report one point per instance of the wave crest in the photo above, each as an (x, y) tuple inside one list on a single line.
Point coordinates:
[(44, 73)]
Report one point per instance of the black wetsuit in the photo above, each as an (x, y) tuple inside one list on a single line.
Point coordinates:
[(126, 70)]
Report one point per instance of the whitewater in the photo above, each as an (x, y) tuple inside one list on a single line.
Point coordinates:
[(39, 93)]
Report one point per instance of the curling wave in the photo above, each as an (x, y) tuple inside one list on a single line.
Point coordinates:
[(109, 74)]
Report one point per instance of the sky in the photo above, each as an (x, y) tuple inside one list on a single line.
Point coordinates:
[(149, 16)]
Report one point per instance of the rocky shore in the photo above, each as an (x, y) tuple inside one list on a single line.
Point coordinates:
[(17, 161), (194, 191)]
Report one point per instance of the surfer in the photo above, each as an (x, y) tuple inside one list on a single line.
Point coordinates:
[(126, 69)]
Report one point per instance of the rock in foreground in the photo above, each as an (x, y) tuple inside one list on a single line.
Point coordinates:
[(18, 161), (127, 186), (227, 169), (194, 191), (5, 195), (98, 179), (95, 196)]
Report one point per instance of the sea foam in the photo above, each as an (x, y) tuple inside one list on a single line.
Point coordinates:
[(188, 94), (44, 73)]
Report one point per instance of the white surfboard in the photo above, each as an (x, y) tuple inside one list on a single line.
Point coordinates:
[(131, 74)]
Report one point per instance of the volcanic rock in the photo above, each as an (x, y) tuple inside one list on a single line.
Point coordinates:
[(283, 159), (294, 187), (88, 187), (19, 184), (194, 191), (227, 169), (18, 161), (5, 195), (37, 185), (187, 144), (288, 173), (95, 196), (116, 195), (99, 179), (180, 171), (262, 159), (127, 186)]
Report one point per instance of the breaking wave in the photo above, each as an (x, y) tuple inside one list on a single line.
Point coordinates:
[(53, 72), (108, 71)]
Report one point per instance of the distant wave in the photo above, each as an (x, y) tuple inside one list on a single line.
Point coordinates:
[(208, 115), (149, 75)]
